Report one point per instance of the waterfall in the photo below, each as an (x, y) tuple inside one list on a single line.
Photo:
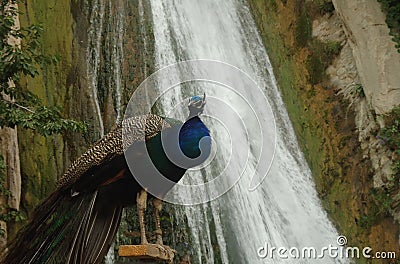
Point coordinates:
[(104, 59), (93, 53), (118, 54), (284, 210)]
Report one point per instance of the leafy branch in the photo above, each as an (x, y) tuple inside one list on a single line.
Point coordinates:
[(20, 56), (19, 106)]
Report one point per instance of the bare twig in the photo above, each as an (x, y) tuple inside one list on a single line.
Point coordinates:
[(18, 105)]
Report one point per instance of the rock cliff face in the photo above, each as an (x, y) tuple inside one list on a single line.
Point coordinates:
[(377, 59), (336, 120), (345, 78), (10, 152), (369, 61)]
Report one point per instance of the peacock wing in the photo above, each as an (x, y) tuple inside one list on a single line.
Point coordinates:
[(78, 222), (93, 167)]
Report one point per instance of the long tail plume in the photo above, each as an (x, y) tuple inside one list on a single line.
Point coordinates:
[(67, 229)]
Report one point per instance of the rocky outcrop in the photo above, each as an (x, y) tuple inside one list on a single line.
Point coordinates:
[(376, 57), (346, 78), (365, 73), (10, 152), (334, 121)]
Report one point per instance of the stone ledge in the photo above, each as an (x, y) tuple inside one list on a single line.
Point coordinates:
[(148, 251)]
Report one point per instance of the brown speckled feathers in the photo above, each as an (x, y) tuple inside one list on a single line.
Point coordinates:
[(113, 144)]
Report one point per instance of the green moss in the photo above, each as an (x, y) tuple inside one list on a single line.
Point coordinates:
[(322, 55), (285, 71), (390, 135), (391, 131), (42, 159), (303, 30)]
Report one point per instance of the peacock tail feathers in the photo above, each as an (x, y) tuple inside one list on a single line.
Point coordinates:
[(67, 229)]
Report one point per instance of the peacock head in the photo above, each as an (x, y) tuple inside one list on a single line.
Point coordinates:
[(196, 105)]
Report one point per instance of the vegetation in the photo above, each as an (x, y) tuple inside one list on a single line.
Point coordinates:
[(324, 126), (19, 106), (320, 58), (359, 90), (380, 202), (303, 30), (325, 6), (392, 10), (320, 53), (390, 134)]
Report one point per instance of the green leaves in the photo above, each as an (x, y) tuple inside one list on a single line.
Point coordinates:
[(391, 132), (19, 106), (45, 120), (24, 109), (391, 137), (19, 60), (12, 215)]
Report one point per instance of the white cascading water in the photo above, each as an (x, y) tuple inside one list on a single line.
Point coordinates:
[(114, 19), (115, 78), (117, 53), (93, 53), (284, 210)]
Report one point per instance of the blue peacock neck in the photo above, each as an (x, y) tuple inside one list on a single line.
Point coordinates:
[(194, 138)]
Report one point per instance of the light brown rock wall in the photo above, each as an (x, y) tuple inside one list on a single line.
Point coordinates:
[(377, 59)]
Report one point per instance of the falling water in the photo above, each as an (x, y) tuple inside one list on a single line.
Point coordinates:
[(93, 54), (117, 52), (115, 78), (143, 34), (284, 210), (104, 57)]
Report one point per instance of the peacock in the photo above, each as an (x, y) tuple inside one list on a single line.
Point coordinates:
[(77, 223)]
